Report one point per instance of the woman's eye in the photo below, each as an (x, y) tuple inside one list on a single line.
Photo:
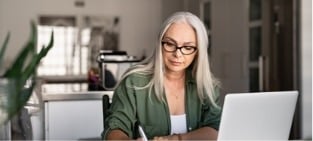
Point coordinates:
[(188, 48), (170, 44)]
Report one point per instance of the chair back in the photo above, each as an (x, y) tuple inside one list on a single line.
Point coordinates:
[(105, 106)]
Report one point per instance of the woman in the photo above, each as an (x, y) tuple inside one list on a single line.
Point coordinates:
[(171, 94)]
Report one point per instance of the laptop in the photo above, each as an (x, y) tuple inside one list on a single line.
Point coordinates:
[(257, 116)]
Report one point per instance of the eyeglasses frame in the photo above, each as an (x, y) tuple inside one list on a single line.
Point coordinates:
[(178, 47)]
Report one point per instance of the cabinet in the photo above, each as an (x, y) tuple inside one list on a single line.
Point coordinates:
[(76, 116)]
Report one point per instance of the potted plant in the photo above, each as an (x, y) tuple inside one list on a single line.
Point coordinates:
[(14, 93)]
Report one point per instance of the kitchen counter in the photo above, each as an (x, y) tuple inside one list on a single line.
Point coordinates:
[(88, 95)]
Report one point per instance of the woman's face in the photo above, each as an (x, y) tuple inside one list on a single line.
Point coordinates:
[(183, 36)]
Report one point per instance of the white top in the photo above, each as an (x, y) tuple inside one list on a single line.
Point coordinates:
[(178, 124)]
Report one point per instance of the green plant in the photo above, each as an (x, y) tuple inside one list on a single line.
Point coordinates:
[(21, 70)]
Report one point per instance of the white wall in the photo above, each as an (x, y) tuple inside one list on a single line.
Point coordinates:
[(306, 68), (139, 20), (171, 6)]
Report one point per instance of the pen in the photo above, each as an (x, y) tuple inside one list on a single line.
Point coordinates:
[(142, 133)]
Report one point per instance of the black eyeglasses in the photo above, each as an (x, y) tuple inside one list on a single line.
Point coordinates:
[(171, 47)]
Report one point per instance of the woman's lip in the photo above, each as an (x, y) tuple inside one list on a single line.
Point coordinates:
[(175, 62)]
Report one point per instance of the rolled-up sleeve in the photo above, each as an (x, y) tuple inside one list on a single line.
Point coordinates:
[(122, 112), (211, 115)]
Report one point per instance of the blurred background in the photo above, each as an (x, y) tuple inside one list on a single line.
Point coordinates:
[(255, 45)]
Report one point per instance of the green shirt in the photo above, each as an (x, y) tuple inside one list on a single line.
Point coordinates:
[(130, 105)]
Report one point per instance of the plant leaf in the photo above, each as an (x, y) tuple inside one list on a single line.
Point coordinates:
[(3, 48), (16, 69), (31, 68), (34, 34), (13, 91), (18, 97), (26, 93)]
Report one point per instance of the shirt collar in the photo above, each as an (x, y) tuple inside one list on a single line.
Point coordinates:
[(189, 77)]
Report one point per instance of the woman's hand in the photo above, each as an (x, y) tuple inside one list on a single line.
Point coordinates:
[(160, 139), (166, 138), (204, 133), (139, 139)]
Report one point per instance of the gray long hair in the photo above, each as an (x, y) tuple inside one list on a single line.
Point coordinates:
[(154, 65)]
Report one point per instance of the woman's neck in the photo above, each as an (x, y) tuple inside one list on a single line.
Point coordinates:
[(174, 76)]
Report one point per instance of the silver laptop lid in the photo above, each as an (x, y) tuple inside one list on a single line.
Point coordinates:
[(257, 116)]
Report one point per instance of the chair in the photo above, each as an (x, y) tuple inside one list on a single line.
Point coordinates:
[(105, 106)]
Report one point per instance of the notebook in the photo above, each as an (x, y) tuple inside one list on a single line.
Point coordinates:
[(257, 116)]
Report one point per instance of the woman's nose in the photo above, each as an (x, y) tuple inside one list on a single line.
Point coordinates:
[(178, 53)]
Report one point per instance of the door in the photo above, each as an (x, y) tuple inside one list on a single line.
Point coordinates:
[(280, 50)]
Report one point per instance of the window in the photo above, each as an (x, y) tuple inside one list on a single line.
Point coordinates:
[(67, 57), (64, 57)]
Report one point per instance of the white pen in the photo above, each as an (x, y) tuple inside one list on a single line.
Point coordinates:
[(142, 133)]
